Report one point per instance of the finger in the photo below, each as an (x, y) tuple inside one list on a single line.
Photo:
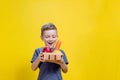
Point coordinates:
[(40, 54), (42, 57), (42, 60)]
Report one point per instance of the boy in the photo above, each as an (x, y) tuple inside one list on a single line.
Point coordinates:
[(49, 70)]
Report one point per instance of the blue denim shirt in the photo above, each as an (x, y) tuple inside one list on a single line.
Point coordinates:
[(48, 71)]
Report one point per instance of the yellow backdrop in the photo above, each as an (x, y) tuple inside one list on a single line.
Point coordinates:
[(89, 31)]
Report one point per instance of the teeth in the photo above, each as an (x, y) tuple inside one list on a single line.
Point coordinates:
[(50, 43)]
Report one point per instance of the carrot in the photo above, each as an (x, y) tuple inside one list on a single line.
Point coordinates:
[(57, 46)]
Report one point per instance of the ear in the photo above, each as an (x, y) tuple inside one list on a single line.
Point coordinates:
[(41, 37), (57, 36)]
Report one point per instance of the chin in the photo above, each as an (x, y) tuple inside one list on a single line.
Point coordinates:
[(51, 46)]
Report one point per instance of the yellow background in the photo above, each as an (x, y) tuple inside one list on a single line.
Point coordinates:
[(89, 31)]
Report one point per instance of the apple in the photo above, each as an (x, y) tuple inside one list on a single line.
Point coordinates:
[(47, 49)]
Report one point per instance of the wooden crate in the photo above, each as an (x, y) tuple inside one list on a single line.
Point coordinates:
[(52, 56)]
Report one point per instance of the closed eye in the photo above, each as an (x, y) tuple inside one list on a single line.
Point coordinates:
[(54, 36)]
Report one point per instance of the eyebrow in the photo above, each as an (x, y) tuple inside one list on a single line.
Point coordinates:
[(49, 35)]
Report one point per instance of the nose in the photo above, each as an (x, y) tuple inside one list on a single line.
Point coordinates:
[(50, 38)]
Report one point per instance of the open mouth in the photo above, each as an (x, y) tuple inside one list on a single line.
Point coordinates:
[(50, 43)]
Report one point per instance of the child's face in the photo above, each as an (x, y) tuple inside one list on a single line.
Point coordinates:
[(49, 37)]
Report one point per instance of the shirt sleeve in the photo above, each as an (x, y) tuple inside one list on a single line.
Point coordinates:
[(35, 55), (64, 57)]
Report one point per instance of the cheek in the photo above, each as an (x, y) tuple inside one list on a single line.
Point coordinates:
[(55, 39), (44, 39)]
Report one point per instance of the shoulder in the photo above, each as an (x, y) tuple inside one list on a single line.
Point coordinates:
[(38, 50), (41, 48), (62, 51)]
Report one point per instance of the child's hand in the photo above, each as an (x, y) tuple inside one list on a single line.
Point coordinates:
[(59, 61), (41, 57)]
